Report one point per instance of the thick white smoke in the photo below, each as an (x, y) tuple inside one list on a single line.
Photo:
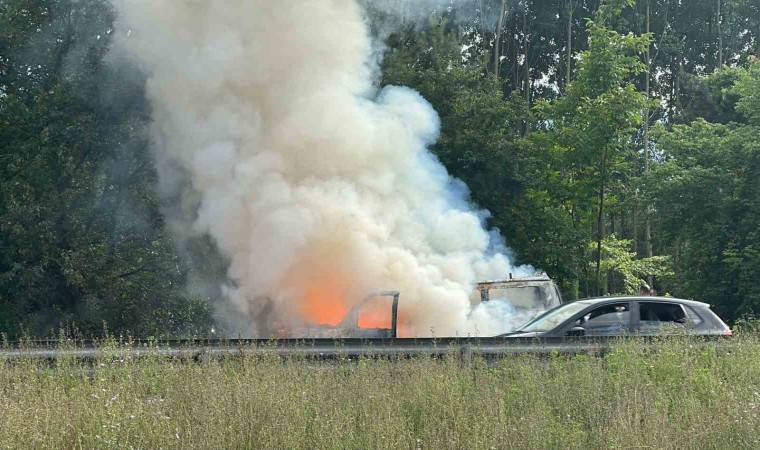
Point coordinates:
[(316, 187)]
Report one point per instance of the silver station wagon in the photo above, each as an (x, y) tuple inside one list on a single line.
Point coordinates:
[(612, 316)]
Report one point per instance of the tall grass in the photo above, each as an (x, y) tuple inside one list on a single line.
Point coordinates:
[(678, 396)]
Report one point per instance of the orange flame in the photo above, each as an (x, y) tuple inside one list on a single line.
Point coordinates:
[(375, 313), (328, 301), (325, 303), (382, 320)]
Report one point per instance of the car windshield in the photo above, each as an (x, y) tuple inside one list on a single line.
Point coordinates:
[(525, 297), (551, 319)]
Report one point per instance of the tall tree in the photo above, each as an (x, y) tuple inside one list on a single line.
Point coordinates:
[(718, 20), (591, 128), (526, 63), (707, 200), (647, 157), (569, 51), (81, 235), (497, 39)]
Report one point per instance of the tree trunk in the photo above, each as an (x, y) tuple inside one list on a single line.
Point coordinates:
[(635, 218), (710, 57), (677, 260), (516, 66), (482, 19), (731, 30), (648, 224), (600, 223), (720, 37), (569, 43), (497, 50), (679, 74), (526, 61)]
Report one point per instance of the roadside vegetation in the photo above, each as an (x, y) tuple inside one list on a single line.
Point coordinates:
[(677, 396)]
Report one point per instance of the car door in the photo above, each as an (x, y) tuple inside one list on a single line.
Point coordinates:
[(609, 319)]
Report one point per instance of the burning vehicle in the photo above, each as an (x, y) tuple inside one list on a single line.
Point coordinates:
[(306, 218), (376, 316), (526, 297)]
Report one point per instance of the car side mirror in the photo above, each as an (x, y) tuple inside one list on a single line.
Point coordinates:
[(576, 332)]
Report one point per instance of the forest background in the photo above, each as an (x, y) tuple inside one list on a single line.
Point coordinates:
[(613, 143)]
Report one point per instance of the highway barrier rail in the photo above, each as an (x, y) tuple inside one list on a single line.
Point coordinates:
[(489, 348)]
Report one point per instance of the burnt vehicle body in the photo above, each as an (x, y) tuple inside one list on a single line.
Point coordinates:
[(528, 296), (616, 316), (382, 305)]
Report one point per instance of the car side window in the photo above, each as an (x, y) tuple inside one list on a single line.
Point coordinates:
[(656, 316), (607, 320)]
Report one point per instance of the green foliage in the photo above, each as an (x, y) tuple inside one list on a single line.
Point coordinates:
[(748, 89), (617, 258), (587, 136), (81, 235), (707, 200), (747, 324), (610, 10), (580, 175), (711, 98)]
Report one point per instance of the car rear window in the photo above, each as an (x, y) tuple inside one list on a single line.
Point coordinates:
[(693, 315), (658, 313)]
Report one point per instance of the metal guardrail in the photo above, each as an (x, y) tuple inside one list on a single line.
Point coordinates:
[(489, 348)]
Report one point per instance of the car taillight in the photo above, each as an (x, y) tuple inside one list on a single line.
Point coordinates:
[(727, 332)]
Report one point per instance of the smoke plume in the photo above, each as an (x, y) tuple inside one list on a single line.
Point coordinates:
[(316, 186)]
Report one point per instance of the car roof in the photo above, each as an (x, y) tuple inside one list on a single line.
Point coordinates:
[(645, 298), (538, 276)]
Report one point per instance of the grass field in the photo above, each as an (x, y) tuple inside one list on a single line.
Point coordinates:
[(678, 396)]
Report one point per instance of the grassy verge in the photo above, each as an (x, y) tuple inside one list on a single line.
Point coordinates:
[(678, 396)]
